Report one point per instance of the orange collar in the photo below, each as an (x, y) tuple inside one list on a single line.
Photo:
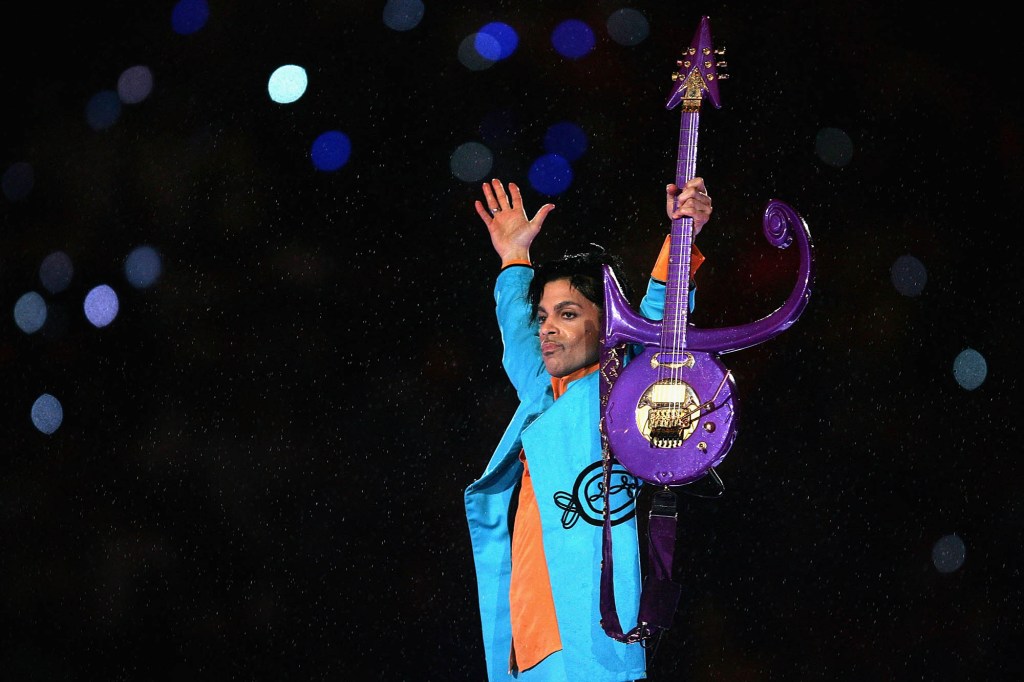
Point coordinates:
[(560, 384)]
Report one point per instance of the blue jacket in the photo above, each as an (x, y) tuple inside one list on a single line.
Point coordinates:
[(563, 445)]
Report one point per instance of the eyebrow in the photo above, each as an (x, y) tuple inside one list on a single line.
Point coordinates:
[(562, 305)]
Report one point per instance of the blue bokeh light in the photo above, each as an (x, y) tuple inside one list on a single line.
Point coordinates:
[(471, 161), (331, 150), (56, 271), (135, 84), (30, 312), (103, 109), (47, 413), (142, 267), (189, 16), (908, 275), (101, 305), (970, 369), (496, 41), (573, 39), (403, 15), (566, 139), (628, 27), (550, 174), (287, 83), (18, 180)]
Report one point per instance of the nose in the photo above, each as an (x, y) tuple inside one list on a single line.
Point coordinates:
[(546, 328)]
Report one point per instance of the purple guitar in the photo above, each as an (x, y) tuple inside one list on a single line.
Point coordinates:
[(670, 414)]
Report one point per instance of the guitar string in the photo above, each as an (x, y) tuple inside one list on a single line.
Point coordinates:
[(684, 172)]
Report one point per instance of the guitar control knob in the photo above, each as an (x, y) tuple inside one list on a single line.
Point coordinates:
[(709, 427)]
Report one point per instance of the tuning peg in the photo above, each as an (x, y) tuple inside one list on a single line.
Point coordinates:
[(723, 76), (720, 51), (721, 65)]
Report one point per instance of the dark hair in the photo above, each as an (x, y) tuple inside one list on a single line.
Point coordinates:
[(584, 272)]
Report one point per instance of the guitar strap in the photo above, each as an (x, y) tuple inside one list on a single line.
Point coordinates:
[(659, 597)]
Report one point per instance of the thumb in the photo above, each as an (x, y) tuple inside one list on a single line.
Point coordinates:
[(542, 213)]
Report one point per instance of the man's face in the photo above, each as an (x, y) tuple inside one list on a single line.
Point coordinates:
[(570, 329)]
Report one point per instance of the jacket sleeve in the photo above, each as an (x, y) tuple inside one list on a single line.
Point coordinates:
[(653, 304), (520, 356)]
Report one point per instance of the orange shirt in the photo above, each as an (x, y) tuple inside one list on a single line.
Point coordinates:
[(534, 622)]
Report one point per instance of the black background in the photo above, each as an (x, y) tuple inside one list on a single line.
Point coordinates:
[(260, 470)]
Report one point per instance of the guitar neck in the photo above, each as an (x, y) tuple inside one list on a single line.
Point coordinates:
[(677, 291)]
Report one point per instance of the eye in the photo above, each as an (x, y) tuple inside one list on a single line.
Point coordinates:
[(568, 314)]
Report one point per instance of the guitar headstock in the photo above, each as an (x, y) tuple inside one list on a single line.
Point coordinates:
[(698, 72)]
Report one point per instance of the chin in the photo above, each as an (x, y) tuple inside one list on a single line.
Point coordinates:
[(555, 370)]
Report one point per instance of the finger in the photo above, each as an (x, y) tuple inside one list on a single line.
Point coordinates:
[(697, 183), (517, 195), (489, 195), (499, 193), (484, 214)]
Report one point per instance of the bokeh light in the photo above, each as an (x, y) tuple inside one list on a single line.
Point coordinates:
[(143, 266), (471, 161), (331, 150), (47, 413), (628, 27), (18, 180), (496, 41), (101, 305), (287, 83), (573, 39), (908, 275), (833, 146), (948, 553), (135, 84), (56, 271), (550, 174), (189, 16), (469, 55), (403, 15), (970, 369), (566, 139), (30, 312), (103, 110)]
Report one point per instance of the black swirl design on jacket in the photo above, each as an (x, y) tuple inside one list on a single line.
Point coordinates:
[(586, 501)]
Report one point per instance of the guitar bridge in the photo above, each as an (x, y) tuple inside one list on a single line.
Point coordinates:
[(667, 413), (670, 426)]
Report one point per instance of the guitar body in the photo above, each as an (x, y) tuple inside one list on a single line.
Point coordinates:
[(670, 427)]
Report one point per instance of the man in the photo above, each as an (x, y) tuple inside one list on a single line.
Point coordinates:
[(536, 538)]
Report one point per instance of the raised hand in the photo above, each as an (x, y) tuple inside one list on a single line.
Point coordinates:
[(689, 200), (512, 232)]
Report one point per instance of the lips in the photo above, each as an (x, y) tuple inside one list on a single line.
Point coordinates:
[(548, 347)]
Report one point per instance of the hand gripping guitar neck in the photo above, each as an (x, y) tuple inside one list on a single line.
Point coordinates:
[(668, 416)]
